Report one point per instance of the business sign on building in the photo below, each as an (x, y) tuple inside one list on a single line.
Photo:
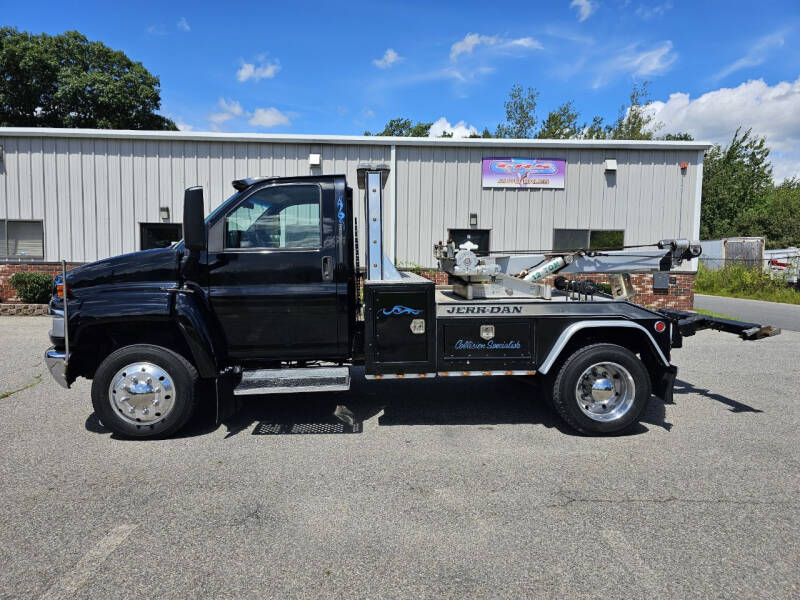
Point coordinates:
[(523, 172)]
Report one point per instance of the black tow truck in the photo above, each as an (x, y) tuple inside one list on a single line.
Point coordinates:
[(266, 295)]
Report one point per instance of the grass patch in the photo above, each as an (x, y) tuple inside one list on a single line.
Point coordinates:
[(738, 281), (36, 381)]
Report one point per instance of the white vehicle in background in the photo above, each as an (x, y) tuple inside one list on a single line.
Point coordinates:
[(784, 263)]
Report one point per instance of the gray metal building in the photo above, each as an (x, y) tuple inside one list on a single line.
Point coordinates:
[(81, 195)]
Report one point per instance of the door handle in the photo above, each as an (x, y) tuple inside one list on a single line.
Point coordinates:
[(327, 268)]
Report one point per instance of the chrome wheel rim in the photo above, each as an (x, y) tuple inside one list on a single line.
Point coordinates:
[(605, 392), (142, 393)]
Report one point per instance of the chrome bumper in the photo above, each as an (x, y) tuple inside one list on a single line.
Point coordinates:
[(56, 362)]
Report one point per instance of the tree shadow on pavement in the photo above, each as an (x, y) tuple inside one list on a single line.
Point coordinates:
[(683, 387)]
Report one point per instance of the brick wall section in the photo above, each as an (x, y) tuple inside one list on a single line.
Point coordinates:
[(438, 277), (9, 310), (8, 293), (680, 295)]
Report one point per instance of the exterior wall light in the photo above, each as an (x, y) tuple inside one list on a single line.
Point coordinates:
[(163, 213), (611, 164), (473, 219), (314, 160)]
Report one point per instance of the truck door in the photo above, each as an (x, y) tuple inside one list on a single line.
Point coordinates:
[(271, 283)]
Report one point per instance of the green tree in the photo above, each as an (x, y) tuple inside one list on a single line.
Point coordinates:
[(561, 123), (404, 128), (67, 81), (596, 130), (484, 134), (735, 181), (520, 114), (681, 136), (634, 121), (776, 217)]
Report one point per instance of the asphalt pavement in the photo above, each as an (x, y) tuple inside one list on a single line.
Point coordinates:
[(785, 316), (442, 489)]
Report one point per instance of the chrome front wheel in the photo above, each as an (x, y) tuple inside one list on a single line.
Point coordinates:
[(142, 392), (145, 391), (605, 391)]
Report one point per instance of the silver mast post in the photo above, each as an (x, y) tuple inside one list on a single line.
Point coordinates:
[(66, 312)]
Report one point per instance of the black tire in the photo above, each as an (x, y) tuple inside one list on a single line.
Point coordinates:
[(565, 398), (182, 373)]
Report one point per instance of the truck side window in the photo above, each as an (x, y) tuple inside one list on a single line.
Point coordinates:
[(286, 216)]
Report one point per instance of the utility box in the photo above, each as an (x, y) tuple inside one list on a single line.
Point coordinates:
[(400, 322)]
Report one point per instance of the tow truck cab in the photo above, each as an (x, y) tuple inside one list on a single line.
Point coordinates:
[(264, 295)]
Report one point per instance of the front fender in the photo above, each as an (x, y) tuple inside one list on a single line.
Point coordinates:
[(194, 319)]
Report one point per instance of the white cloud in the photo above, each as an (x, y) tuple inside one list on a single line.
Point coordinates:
[(231, 106), (467, 45), (268, 117), (459, 130), (184, 126), (156, 30), (264, 70), (755, 56), (585, 8), (634, 61), (219, 118), (183, 24), (471, 41), (650, 11), (526, 42), (367, 113), (229, 110), (770, 111), (388, 59)]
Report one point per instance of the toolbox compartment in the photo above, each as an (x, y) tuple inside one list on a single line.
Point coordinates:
[(485, 344), (400, 322)]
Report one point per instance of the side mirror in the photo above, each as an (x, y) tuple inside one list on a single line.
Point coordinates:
[(194, 227)]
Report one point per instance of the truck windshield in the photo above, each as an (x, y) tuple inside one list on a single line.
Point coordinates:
[(211, 217)]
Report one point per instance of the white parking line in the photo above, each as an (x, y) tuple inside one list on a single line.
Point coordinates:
[(79, 575)]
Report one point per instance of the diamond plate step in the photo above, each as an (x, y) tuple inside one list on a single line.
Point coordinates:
[(291, 381)]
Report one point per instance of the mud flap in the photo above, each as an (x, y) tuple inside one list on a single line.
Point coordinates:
[(228, 405), (663, 387)]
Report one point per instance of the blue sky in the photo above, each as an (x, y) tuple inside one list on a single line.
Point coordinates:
[(343, 68)]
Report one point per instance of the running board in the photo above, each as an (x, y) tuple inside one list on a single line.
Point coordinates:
[(292, 381)]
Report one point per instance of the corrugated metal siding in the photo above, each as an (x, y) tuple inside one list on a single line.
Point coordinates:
[(649, 197), (92, 193)]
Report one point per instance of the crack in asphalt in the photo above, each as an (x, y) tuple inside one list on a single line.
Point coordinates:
[(569, 499), (36, 381)]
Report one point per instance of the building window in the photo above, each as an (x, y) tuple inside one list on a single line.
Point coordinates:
[(160, 235), (588, 239), (479, 237), (22, 239)]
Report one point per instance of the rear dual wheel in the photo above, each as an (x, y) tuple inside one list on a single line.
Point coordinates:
[(144, 391), (602, 388)]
